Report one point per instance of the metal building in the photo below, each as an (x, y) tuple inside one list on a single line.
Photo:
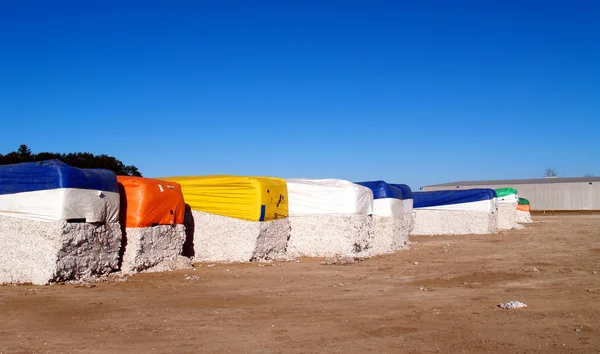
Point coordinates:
[(552, 194)]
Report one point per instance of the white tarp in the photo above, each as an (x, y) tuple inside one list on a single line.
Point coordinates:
[(512, 198), (62, 204), (390, 207), (327, 197)]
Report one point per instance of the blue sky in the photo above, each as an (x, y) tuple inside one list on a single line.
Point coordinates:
[(405, 92)]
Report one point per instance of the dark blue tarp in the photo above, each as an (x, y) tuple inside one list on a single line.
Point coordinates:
[(492, 193), (53, 174), (406, 191), (382, 190), (436, 198)]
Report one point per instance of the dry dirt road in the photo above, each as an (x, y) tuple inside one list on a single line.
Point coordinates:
[(304, 307)]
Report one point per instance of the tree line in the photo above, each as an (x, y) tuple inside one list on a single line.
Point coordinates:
[(75, 159), (550, 172)]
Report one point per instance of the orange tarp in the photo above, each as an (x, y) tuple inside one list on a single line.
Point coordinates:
[(524, 207), (146, 202)]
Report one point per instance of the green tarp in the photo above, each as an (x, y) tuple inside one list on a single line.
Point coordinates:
[(503, 192), (523, 201)]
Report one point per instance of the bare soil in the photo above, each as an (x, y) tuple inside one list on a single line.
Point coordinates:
[(439, 296)]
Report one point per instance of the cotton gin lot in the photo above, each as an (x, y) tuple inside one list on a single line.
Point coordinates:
[(439, 296)]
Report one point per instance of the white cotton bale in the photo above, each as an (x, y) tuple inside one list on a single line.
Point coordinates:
[(409, 221), (390, 231), (453, 222), (41, 252), (494, 221), (216, 238), (524, 217), (147, 247), (339, 235), (172, 263), (507, 216), (390, 234)]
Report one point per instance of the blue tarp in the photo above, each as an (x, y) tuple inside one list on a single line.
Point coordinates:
[(406, 191), (436, 198), (382, 190), (53, 174), (492, 192)]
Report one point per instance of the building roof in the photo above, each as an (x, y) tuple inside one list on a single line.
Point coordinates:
[(510, 182)]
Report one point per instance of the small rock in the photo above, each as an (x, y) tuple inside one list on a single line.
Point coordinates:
[(416, 263), (577, 330), (340, 260), (85, 285), (192, 278), (594, 272), (422, 288), (211, 265)]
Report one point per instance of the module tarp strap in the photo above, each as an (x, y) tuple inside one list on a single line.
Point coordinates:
[(481, 199), (241, 197), (327, 197), (387, 198), (52, 190), (147, 202)]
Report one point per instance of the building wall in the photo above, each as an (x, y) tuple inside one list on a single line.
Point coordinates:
[(548, 196)]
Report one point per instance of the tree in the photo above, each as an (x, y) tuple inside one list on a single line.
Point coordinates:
[(77, 159), (550, 172), (24, 152)]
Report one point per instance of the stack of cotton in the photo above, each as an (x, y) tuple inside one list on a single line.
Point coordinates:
[(455, 212), (57, 222), (390, 231), (407, 206), (152, 214), (524, 211), (329, 217), (508, 200), (235, 218)]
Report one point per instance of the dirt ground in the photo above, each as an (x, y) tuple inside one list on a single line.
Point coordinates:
[(375, 305)]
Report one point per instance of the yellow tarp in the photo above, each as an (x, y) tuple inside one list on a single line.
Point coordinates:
[(241, 197)]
